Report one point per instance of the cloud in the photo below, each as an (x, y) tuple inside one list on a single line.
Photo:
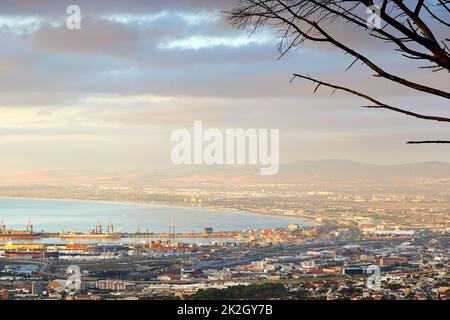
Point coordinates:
[(202, 42), (110, 93), (98, 35)]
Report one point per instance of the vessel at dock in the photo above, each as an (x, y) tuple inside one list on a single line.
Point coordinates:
[(30, 254), (97, 233), (18, 234), (28, 250), (75, 235)]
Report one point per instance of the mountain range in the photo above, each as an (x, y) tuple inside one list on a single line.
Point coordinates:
[(302, 171)]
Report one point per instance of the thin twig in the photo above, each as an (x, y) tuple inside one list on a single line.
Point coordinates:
[(378, 104), (429, 142)]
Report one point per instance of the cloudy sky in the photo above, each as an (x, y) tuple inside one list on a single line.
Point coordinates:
[(108, 96)]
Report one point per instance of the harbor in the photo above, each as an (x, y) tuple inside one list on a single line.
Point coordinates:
[(98, 233)]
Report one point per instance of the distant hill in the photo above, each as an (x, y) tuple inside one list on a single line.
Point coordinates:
[(324, 171), (346, 169)]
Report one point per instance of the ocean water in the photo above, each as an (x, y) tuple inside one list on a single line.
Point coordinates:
[(68, 215)]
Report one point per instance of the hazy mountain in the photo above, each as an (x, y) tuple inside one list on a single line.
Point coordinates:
[(325, 171), (346, 169)]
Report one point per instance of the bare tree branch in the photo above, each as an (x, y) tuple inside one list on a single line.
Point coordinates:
[(405, 24), (429, 142), (378, 104)]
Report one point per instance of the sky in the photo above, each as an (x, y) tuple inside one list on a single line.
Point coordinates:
[(107, 97)]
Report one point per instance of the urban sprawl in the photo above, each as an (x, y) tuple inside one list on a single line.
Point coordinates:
[(405, 236)]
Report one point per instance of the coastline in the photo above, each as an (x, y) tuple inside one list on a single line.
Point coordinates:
[(306, 221)]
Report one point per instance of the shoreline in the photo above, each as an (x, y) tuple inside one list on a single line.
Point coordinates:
[(309, 222)]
